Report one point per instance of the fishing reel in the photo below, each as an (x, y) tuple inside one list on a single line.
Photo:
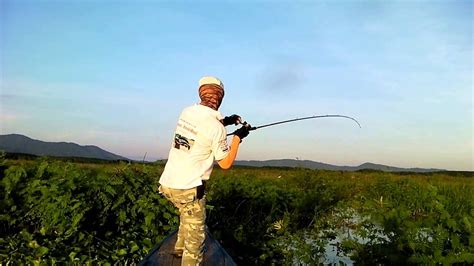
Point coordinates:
[(245, 124)]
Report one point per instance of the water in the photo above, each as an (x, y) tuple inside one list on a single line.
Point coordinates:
[(348, 219)]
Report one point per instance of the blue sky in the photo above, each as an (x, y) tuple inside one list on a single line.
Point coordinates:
[(117, 73)]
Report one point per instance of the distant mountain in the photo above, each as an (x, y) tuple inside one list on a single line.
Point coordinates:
[(15, 143), (324, 166)]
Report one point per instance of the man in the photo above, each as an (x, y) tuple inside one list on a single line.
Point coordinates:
[(199, 140)]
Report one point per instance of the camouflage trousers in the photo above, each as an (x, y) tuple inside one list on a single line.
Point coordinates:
[(191, 233)]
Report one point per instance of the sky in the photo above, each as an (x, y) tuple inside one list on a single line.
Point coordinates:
[(117, 74)]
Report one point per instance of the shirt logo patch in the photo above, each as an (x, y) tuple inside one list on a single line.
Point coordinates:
[(223, 145), (182, 143)]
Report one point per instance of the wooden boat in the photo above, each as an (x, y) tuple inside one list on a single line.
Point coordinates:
[(162, 254)]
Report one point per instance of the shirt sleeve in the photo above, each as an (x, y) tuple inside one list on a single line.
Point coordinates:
[(220, 148)]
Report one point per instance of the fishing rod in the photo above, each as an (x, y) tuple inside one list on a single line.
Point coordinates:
[(295, 119)]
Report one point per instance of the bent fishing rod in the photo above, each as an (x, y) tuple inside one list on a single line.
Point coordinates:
[(294, 120)]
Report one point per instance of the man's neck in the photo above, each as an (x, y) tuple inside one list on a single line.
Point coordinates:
[(209, 105)]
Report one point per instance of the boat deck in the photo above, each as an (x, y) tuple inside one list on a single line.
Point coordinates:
[(214, 254)]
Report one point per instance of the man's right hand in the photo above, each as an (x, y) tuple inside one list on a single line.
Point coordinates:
[(242, 132), (233, 119)]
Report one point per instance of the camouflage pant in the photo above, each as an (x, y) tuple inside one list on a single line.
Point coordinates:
[(191, 234)]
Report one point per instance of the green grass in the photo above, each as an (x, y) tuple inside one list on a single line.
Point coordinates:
[(88, 212)]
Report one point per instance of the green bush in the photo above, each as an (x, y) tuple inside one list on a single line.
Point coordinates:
[(58, 212)]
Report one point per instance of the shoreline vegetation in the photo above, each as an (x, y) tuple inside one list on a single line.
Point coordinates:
[(63, 210)]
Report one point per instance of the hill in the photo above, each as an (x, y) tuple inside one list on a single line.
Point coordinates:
[(324, 166), (16, 143), (20, 144)]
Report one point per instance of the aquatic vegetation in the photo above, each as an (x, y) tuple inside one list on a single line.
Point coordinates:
[(57, 211)]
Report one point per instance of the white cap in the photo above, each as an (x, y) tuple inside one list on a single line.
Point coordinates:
[(210, 80)]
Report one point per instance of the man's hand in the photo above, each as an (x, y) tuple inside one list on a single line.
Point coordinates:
[(233, 119), (242, 132)]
